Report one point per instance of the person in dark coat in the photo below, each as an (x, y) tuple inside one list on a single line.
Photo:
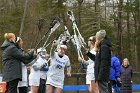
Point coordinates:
[(11, 61), (126, 77), (102, 61)]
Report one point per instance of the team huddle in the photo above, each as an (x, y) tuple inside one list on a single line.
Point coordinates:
[(15, 61), (46, 70)]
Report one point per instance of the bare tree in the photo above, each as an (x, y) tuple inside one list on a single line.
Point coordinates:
[(128, 28), (137, 10), (23, 18), (79, 13), (97, 21), (15, 3), (120, 5)]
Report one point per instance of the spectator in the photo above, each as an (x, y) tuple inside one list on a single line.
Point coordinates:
[(126, 77), (115, 70), (102, 61)]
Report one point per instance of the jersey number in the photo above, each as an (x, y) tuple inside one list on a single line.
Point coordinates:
[(59, 66)]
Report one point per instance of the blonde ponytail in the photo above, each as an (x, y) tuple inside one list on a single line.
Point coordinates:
[(8, 36)]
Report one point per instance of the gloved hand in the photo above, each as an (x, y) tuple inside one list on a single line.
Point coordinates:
[(119, 83), (118, 79), (33, 53), (46, 68), (69, 74)]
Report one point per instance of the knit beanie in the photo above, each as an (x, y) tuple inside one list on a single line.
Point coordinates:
[(101, 34)]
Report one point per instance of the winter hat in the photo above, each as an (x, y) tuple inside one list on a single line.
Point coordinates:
[(101, 34)]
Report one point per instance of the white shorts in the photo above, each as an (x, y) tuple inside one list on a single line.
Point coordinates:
[(56, 84), (22, 83), (89, 77), (34, 81)]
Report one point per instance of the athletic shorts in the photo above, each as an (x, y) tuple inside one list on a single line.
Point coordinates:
[(34, 81), (89, 77), (57, 84)]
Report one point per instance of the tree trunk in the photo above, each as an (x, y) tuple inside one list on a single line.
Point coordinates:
[(128, 31), (62, 11), (79, 13), (23, 18), (97, 16), (138, 32), (136, 15), (120, 5), (105, 9), (16, 3)]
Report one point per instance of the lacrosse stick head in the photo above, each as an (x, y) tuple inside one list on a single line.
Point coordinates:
[(55, 25), (66, 33), (63, 39), (65, 28), (71, 16), (70, 13), (40, 24)]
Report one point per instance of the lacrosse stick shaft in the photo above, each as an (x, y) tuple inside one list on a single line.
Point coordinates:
[(47, 40)]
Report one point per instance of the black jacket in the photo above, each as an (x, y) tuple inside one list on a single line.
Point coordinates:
[(103, 61), (11, 60)]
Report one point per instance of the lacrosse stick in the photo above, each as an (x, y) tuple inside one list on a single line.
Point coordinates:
[(54, 25)]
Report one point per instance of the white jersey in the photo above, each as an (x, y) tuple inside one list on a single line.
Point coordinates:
[(24, 81), (90, 68), (35, 75), (55, 75)]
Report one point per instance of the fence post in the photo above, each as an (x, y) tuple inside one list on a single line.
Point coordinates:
[(78, 82)]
